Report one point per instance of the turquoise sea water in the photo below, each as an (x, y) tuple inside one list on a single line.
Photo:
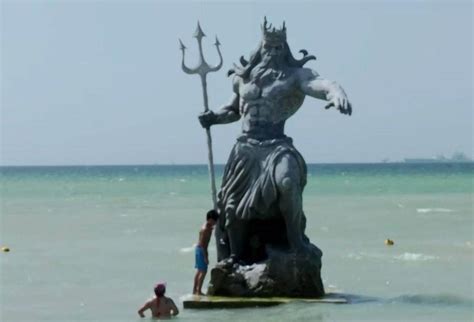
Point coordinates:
[(88, 243)]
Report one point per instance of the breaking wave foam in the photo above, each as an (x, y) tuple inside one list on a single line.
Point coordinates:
[(401, 257), (428, 210), (187, 249), (415, 257)]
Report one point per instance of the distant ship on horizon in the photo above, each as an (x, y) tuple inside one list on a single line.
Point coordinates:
[(457, 157)]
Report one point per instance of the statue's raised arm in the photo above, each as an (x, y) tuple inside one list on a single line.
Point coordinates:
[(313, 85)]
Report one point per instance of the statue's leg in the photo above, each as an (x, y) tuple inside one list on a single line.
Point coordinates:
[(237, 235), (222, 243), (288, 180)]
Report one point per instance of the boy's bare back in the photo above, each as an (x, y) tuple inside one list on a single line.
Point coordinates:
[(162, 307), (205, 235)]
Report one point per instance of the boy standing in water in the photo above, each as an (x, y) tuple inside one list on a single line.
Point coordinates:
[(161, 307), (202, 256)]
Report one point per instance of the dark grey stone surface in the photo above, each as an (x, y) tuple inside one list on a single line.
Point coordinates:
[(283, 274)]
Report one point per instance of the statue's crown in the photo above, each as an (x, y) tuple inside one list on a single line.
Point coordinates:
[(272, 34)]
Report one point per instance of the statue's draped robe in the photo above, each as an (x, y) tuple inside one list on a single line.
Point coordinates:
[(249, 189)]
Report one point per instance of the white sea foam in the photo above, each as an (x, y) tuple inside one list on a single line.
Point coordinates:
[(187, 249), (402, 257), (428, 210), (354, 256), (332, 288), (415, 257)]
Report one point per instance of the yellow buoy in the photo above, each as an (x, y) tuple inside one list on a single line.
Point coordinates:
[(5, 249), (389, 242)]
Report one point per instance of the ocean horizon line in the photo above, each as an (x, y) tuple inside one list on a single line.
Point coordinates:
[(205, 165)]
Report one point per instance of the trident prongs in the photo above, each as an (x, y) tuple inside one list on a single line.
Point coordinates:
[(203, 67), (218, 66), (199, 33), (182, 47)]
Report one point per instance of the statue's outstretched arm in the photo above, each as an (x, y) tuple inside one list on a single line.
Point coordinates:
[(227, 114), (313, 85)]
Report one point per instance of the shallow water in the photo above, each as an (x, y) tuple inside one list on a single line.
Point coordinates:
[(88, 243)]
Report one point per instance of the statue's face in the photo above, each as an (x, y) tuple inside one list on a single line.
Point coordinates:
[(273, 49)]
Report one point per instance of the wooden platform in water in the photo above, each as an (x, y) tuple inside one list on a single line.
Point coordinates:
[(222, 302)]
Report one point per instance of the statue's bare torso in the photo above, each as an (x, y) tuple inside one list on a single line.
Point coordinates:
[(265, 103)]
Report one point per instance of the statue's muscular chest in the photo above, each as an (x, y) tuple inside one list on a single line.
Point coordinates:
[(270, 99)]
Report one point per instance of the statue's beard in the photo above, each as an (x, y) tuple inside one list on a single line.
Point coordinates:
[(266, 70), (271, 61)]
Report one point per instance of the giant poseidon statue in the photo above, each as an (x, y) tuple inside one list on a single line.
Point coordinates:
[(260, 200)]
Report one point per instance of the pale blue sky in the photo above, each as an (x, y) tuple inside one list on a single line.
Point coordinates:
[(100, 82)]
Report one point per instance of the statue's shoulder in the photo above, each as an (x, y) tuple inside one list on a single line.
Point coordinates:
[(306, 74), (236, 81)]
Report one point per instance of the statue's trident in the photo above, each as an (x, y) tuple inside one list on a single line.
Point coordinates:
[(202, 69)]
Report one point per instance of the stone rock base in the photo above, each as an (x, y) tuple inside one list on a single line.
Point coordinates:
[(282, 274), (221, 302)]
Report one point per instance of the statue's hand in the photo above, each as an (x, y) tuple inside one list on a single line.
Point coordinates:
[(339, 100), (207, 119)]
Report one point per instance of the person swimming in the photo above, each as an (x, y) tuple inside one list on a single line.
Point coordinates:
[(160, 306)]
